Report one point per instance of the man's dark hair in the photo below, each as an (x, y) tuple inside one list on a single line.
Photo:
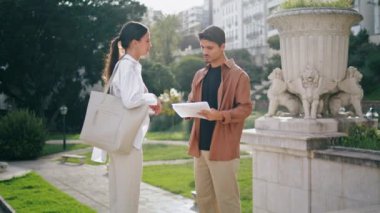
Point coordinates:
[(213, 33)]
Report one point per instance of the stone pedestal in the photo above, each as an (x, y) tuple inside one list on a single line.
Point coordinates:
[(282, 153)]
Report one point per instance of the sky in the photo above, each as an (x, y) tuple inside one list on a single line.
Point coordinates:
[(171, 6)]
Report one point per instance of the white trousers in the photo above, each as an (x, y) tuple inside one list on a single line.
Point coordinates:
[(124, 181)]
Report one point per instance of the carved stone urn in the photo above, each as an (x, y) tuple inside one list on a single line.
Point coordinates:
[(314, 53)]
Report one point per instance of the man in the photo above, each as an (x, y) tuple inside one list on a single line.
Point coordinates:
[(215, 141)]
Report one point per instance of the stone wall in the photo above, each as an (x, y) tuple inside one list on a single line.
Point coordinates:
[(344, 178), (294, 171)]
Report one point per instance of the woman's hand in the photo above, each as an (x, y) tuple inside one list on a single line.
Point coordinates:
[(156, 108)]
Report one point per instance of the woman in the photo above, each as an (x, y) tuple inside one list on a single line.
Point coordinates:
[(125, 170)]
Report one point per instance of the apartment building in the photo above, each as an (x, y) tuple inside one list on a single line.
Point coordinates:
[(254, 29), (370, 9), (191, 20), (228, 15), (151, 16), (244, 22)]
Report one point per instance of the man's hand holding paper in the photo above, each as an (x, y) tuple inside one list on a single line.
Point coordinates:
[(191, 110), (211, 115)]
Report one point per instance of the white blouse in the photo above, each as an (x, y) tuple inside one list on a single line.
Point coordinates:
[(128, 84)]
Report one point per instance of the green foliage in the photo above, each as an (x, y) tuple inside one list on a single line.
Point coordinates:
[(358, 46), (157, 77), (22, 135), (366, 57), (274, 42), (362, 137), (165, 39), (168, 98), (51, 50), (273, 62), (184, 71), (179, 179), (250, 121), (32, 194), (370, 71), (168, 118), (164, 122), (288, 4), (374, 95), (244, 60)]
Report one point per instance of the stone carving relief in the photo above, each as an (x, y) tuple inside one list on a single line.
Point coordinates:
[(310, 86), (350, 93), (279, 96), (314, 50), (312, 89)]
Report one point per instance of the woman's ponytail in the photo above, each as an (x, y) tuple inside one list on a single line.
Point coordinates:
[(111, 59), (129, 32)]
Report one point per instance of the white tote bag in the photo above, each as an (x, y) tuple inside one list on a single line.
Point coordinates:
[(108, 124)]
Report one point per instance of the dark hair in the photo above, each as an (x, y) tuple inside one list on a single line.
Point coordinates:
[(129, 32), (213, 33)]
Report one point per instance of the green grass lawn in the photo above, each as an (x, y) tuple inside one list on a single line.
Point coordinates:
[(153, 152), (86, 161), (250, 121), (59, 136), (32, 193), (179, 179), (56, 148), (173, 136)]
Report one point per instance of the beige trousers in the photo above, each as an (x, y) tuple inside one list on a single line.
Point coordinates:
[(216, 185), (124, 181)]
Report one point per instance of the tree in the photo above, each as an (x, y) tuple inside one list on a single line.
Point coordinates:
[(274, 42), (358, 47), (184, 71), (273, 62), (157, 77), (244, 59), (365, 56), (51, 49), (165, 39)]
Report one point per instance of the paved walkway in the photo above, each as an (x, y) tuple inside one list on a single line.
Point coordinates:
[(89, 184)]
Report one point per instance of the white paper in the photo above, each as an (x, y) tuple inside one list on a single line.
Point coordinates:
[(190, 110), (98, 155)]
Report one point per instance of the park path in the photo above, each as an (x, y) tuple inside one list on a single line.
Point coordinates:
[(89, 184)]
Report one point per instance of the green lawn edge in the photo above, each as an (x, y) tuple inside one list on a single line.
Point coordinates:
[(31, 193)]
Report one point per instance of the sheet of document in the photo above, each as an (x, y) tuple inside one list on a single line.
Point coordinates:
[(190, 110)]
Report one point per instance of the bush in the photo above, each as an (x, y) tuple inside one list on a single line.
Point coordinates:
[(361, 137), (22, 136), (164, 122), (168, 118)]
